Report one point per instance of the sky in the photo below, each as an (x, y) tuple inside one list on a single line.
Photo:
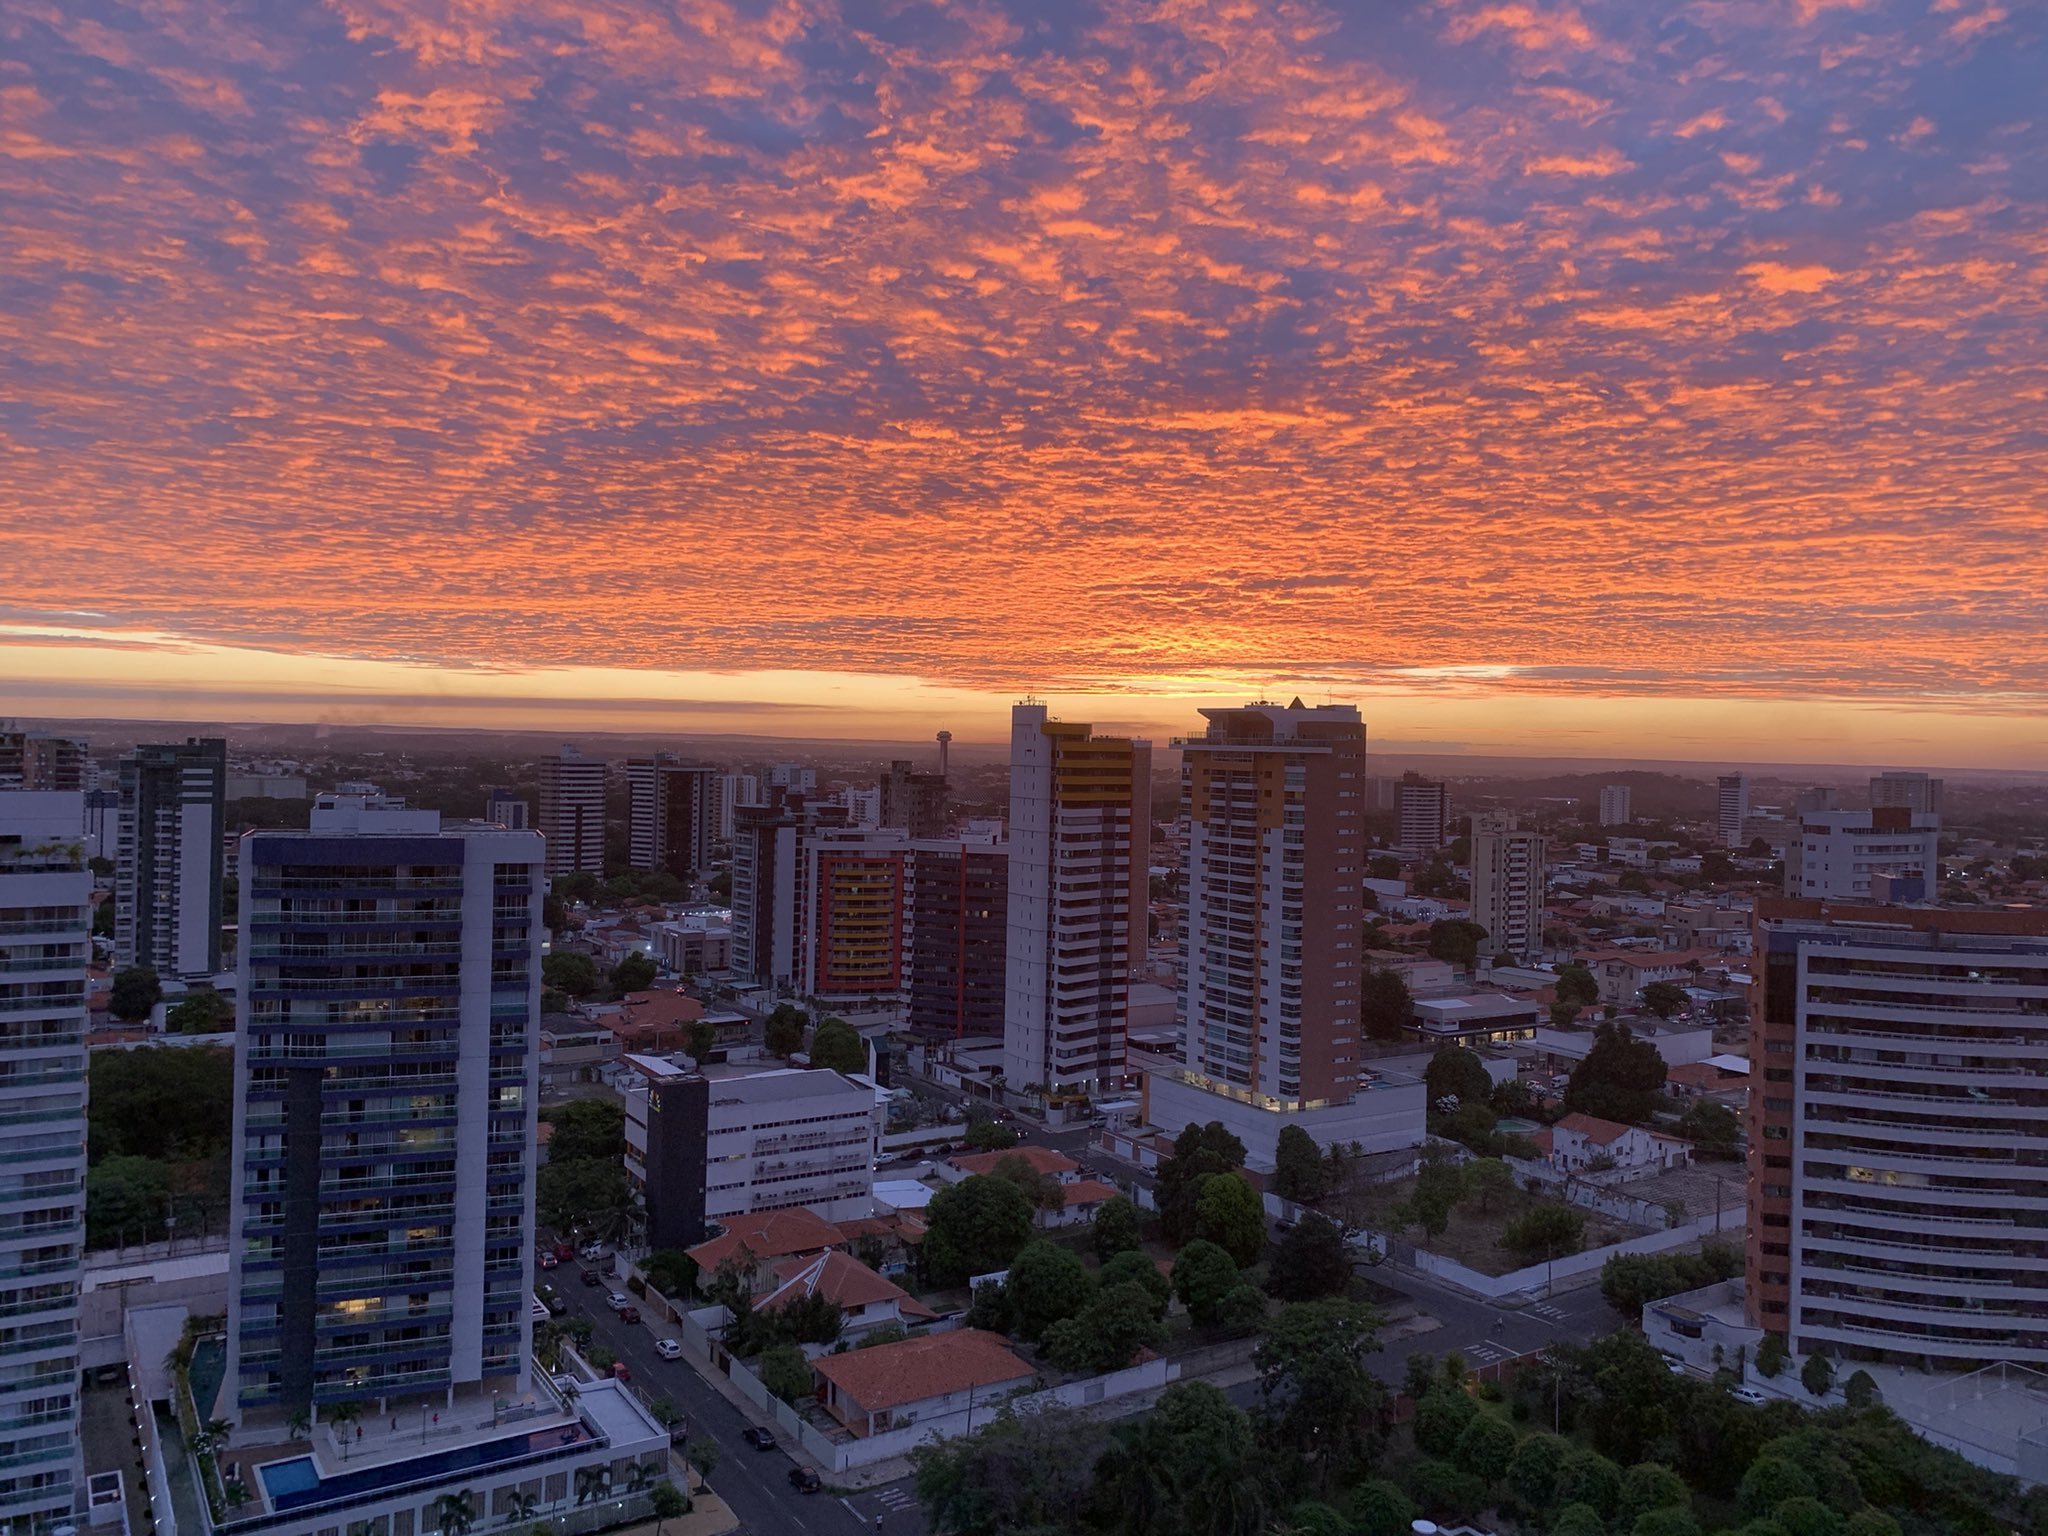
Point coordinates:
[(1642, 379)]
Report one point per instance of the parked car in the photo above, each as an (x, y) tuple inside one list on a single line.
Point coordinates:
[(668, 1349), (564, 1251), (1748, 1395), (804, 1480), (548, 1261), (552, 1300), (618, 1301), (629, 1314), (1673, 1364), (594, 1251), (621, 1371), (760, 1439), (590, 1277)]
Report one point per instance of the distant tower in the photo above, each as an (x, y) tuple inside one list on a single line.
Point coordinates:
[(945, 742)]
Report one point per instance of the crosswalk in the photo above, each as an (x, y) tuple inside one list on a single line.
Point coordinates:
[(1487, 1353), (1544, 1310), (895, 1499)]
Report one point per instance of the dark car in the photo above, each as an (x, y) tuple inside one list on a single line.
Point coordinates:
[(760, 1439), (590, 1277), (629, 1314), (804, 1480)]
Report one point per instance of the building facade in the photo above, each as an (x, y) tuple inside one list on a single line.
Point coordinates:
[(913, 802), (1425, 815), (855, 913), (957, 938), (1731, 807), (45, 928), (770, 883), (1904, 790), (1614, 805), (734, 791), (41, 760), (1507, 885), (572, 813), (1835, 854), (1080, 851), (167, 860), (386, 1076), (503, 808), (1898, 1133), (674, 814)]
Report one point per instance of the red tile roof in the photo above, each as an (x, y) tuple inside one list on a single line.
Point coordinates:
[(1086, 1192), (929, 1365), (1593, 1128), (1041, 1159), (843, 1281), (768, 1235)]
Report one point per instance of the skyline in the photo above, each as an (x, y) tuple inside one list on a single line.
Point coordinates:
[(1548, 380)]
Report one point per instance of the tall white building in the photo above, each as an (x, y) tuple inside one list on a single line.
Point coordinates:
[(45, 926), (167, 860), (1614, 805), (1731, 807), (386, 1069), (1425, 815), (1080, 849), (794, 777), (770, 884), (1507, 885), (1835, 853), (1906, 790), (734, 791), (572, 813)]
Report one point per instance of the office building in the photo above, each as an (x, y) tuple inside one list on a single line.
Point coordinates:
[(913, 802), (674, 814), (958, 936), (167, 860), (1273, 799), (709, 1145), (41, 760), (1614, 805), (1507, 886), (734, 791), (503, 808), (769, 883), (572, 813), (1080, 849), (1897, 1191), (1731, 807), (386, 1075), (45, 927), (1835, 854), (863, 806), (854, 914), (1819, 798), (794, 777), (266, 786), (1425, 816), (1901, 790)]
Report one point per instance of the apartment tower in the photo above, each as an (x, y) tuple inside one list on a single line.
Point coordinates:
[(572, 813), (385, 1075), (1614, 805), (1507, 885), (1731, 807), (1080, 850), (957, 938), (1904, 790), (504, 808), (167, 860), (40, 760), (770, 878), (734, 791), (1425, 815), (674, 814), (1273, 800), (913, 802), (45, 928), (1898, 1193), (854, 914), (1836, 854)]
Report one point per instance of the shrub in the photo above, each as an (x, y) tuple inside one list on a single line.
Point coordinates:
[(1807, 1517), (1665, 1522), (1770, 1481), (1587, 1477), (1443, 1490), (1440, 1418), (1578, 1520), (1485, 1447), (1379, 1508)]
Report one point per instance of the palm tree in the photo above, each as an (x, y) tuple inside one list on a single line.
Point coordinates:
[(520, 1508), (639, 1478), (300, 1424), (339, 1417), (589, 1484), (547, 1344), (455, 1514), (217, 1432)]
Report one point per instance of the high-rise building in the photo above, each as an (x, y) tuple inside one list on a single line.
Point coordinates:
[(1819, 798), (1507, 885), (769, 883), (102, 823), (1614, 805), (674, 813), (1836, 853), (40, 760), (734, 791), (957, 938), (1731, 807), (1274, 803), (1896, 1184), (45, 928), (913, 802), (1906, 791), (854, 914), (1425, 815), (794, 777), (1080, 850), (385, 1076), (167, 860), (572, 813), (504, 808)]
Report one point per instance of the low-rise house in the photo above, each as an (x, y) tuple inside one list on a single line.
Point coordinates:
[(1043, 1161), (754, 1243), (1623, 973), (866, 1298), (1582, 1143), (925, 1377)]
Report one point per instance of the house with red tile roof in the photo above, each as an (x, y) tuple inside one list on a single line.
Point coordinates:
[(869, 1300), (926, 1377), (1581, 1143), (1043, 1160), (758, 1240)]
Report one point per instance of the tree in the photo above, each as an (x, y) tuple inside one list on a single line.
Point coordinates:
[(1016, 1473), (1199, 1153), (1771, 1355), (1665, 1522), (989, 1135), (703, 1040), (1048, 1283), (1439, 1186), (1042, 1190), (1242, 1312), (1192, 1465), (587, 1128), (634, 973), (783, 1033), (1456, 941), (201, 1011), (1488, 1183), (1712, 1127), (1380, 1508), (1132, 1268), (1298, 1168), (1578, 1520), (1576, 984), (975, 1227), (786, 1372), (1861, 1392), (1315, 1390), (809, 1319), (1664, 998), (1441, 1417), (136, 991), (671, 1272), (1619, 1079), (1106, 1334), (1385, 1005), (126, 1199), (569, 971), (1532, 1471), (836, 1046), (1202, 1275), (1230, 1214), (1771, 1480), (584, 1193), (1485, 1447), (666, 1502), (1310, 1262), (1807, 1517), (1817, 1375), (1447, 1492), (1455, 1073), (1650, 1485), (1587, 1477), (454, 1514), (1114, 1228)]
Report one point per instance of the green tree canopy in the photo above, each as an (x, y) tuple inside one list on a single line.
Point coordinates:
[(1456, 941), (1663, 998), (1114, 1228), (783, 1032), (202, 1011), (1203, 1274), (1817, 1375), (1587, 1477), (786, 1372), (136, 991), (126, 1199), (1317, 1394), (1380, 1508), (836, 1045), (1299, 1171), (570, 971), (1577, 984), (1106, 1334), (1456, 1073), (633, 973), (1441, 1417), (586, 1128), (584, 1194), (1230, 1214), (1650, 1485), (1712, 1127), (1132, 1268), (1385, 1005), (991, 1136), (1484, 1448), (1199, 1152), (1190, 1466), (1015, 1474), (1047, 1284), (1310, 1262), (975, 1227), (1532, 1471), (1620, 1078), (169, 1103)]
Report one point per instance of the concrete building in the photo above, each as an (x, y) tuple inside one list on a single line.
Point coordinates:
[(41, 760), (734, 791), (855, 914), (1080, 855), (102, 823), (503, 808), (957, 939), (673, 813), (1903, 790), (711, 1143), (45, 942), (1614, 805), (1898, 1193), (794, 777), (1731, 807), (266, 786), (1507, 885), (1581, 1143), (386, 1076), (770, 878), (1836, 853), (913, 802), (572, 813), (167, 859), (1425, 816), (695, 944)]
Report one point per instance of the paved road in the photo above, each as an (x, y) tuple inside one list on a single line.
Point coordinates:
[(755, 1483)]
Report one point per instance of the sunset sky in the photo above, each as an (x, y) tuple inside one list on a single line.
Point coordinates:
[(1632, 378)]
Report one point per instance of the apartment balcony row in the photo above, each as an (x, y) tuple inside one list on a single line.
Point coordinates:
[(1834, 1177)]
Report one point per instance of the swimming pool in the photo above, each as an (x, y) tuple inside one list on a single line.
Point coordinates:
[(296, 1483), (282, 1478)]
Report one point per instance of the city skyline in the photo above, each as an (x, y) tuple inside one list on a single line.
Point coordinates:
[(1542, 378)]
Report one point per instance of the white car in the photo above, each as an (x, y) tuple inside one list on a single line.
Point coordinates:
[(668, 1349), (618, 1301), (1748, 1395), (594, 1251)]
